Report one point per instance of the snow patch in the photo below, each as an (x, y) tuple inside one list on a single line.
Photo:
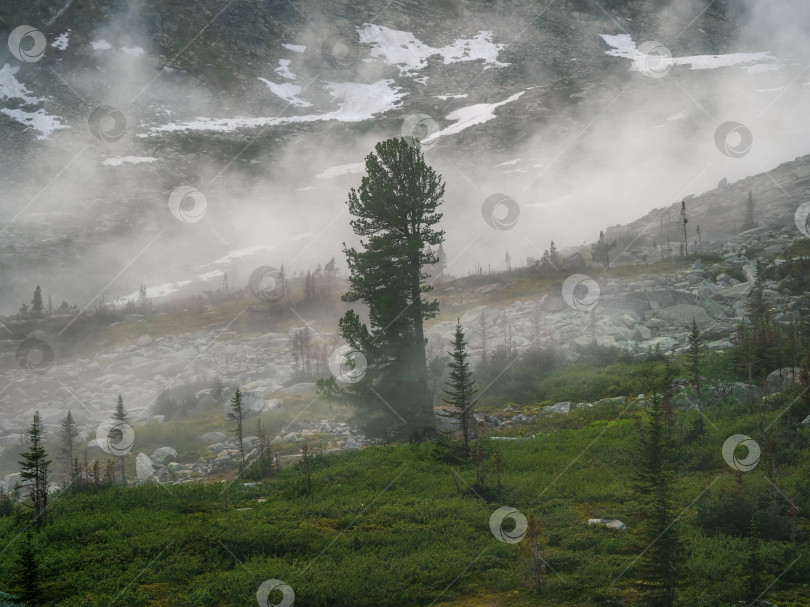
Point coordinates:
[(678, 116), (357, 102), (760, 68), (342, 169), (287, 91), (470, 116), (507, 163), (409, 54), (295, 48), (39, 121), (114, 162), (163, 290), (135, 51), (550, 203), (211, 275), (244, 252), (446, 97), (283, 69), (101, 45), (622, 45), (61, 41), (11, 88)]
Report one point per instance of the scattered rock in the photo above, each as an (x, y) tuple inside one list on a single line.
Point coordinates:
[(612, 523), (144, 468), (780, 379), (617, 400), (351, 444), (563, 407), (164, 455), (213, 437)]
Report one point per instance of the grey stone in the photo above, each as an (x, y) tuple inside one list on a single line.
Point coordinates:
[(351, 444), (213, 437), (780, 379), (608, 522), (144, 468), (683, 314), (620, 400), (563, 407), (164, 455)]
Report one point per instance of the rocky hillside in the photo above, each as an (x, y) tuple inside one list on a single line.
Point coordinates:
[(128, 101)]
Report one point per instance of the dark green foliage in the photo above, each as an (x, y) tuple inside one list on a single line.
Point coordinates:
[(600, 250), (36, 302), (120, 412), (68, 433), (694, 357), (658, 566), (394, 211), (393, 526), (460, 390), (236, 415), (450, 451), (27, 574), (34, 469), (120, 415)]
